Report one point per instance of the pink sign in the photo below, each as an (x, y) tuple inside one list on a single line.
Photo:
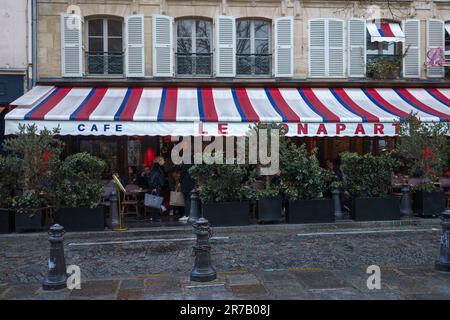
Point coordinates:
[(435, 57)]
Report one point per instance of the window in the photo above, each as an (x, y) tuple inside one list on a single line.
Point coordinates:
[(105, 47), (193, 55), (253, 47), (384, 58)]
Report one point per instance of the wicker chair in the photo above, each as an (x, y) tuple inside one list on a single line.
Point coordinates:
[(130, 200)]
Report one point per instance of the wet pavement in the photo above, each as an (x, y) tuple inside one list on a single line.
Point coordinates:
[(269, 263)]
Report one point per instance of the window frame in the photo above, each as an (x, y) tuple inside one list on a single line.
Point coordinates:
[(253, 39), (193, 38), (106, 38)]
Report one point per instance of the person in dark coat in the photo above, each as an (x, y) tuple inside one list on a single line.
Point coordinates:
[(187, 184), (157, 179)]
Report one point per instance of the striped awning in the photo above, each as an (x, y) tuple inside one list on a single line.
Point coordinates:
[(388, 32), (226, 111)]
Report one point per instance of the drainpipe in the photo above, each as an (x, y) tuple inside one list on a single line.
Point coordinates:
[(34, 40)]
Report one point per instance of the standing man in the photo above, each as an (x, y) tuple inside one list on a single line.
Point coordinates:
[(187, 184)]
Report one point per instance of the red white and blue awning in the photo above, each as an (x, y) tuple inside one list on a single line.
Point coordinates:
[(387, 32), (225, 111)]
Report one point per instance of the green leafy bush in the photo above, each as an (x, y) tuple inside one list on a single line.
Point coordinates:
[(7, 182), (367, 175), (30, 158), (302, 176), (76, 183), (425, 148), (30, 202), (221, 182)]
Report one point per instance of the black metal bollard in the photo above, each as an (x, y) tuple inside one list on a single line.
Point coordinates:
[(443, 261), (337, 203), (203, 270), (113, 210), (194, 213), (56, 277), (405, 206)]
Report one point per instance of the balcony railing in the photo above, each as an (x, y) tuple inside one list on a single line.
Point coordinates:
[(104, 63), (194, 64), (384, 66), (254, 64)]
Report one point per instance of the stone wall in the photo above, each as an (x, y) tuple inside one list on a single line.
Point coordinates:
[(49, 37)]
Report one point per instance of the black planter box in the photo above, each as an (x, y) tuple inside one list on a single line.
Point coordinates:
[(227, 213), (269, 210), (428, 204), (25, 222), (375, 209), (6, 221), (310, 211), (81, 219)]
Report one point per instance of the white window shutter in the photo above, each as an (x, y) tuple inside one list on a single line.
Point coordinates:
[(411, 61), (71, 46), (435, 39), (357, 37), (284, 47), (316, 41), (134, 46), (225, 46), (162, 36), (336, 65)]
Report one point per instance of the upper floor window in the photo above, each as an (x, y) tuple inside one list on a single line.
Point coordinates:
[(384, 50), (193, 54), (104, 54), (253, 54)]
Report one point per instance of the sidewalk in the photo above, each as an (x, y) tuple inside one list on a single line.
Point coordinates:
[(256, 262), (292, 284)]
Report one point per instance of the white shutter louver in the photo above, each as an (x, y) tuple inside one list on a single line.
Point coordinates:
[(284, 47), (225, 46), (357, 37), (162, 38), (316, 39), (71, 46), (435, 39), (411, 62), (335, 48), (134, 54)]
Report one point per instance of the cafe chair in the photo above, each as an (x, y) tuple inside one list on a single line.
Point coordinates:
[(130, 200)]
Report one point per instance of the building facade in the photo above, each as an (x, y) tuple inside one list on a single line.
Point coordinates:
[(118, 77), (236, 40), (15, 57)]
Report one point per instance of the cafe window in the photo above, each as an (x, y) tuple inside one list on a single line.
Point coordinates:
[(104, 54)]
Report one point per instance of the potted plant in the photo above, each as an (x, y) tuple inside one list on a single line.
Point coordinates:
[(304, 183), (425, 147), (76, 189), (31, 156), (222, 193), (269, 200), (368, 180), (7, 182)]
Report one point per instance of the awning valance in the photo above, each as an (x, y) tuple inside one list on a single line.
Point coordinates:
[(387, 32), (226, 111)]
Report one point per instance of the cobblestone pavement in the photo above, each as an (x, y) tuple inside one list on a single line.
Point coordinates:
[(277, 264)]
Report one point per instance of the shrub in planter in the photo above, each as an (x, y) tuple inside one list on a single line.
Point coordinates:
[(7, 182), (269, 201), (428, 200), (368, 180), (425, 147), (304, 183), (28, 211), (30, 157), (75, 188), (222, 193)]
